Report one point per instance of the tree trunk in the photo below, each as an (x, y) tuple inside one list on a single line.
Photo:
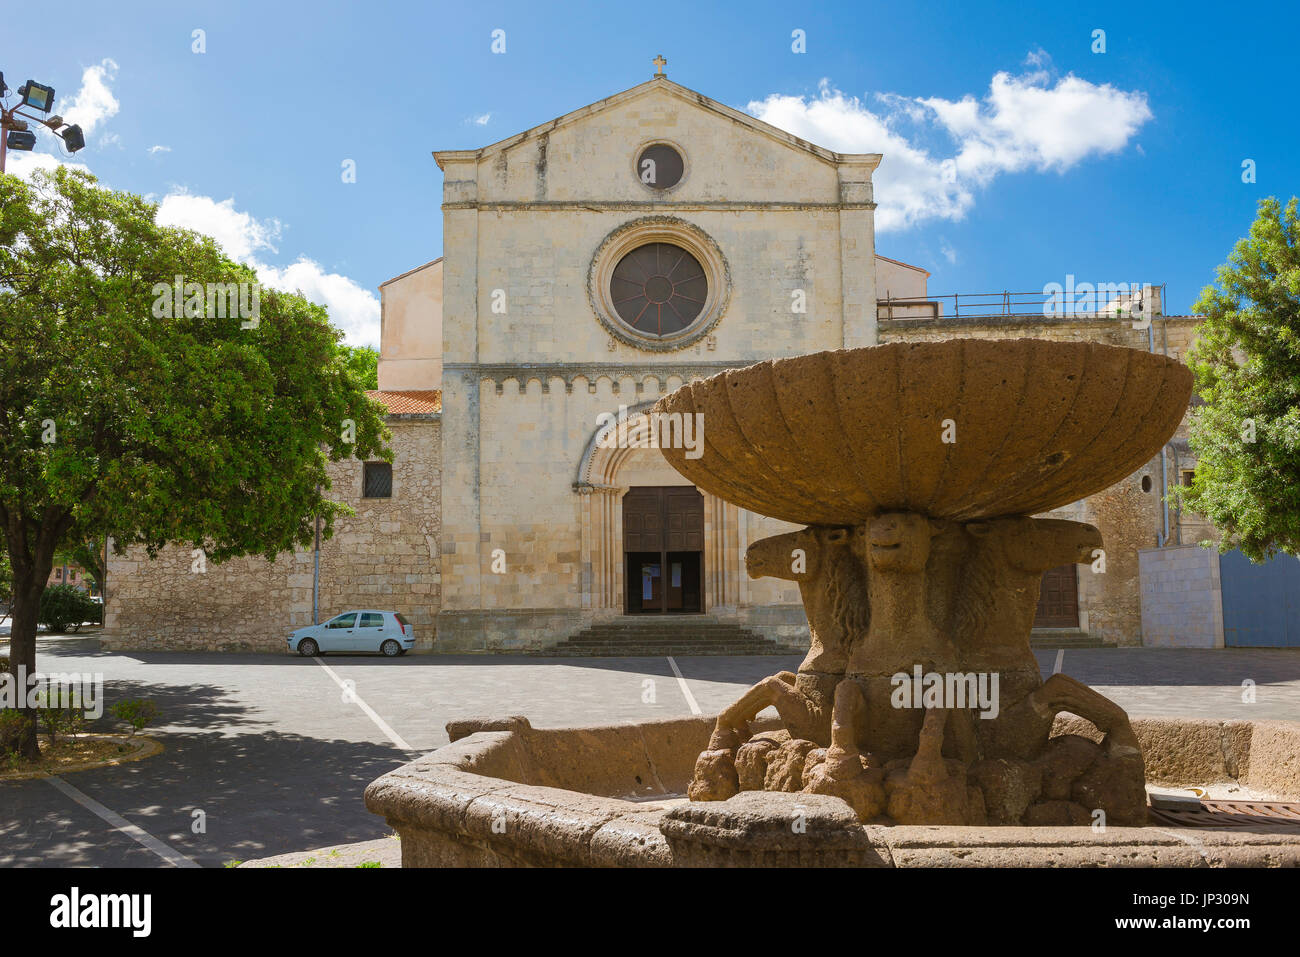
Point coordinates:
[(22, 653)]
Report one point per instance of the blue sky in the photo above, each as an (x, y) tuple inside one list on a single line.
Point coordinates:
[(1122, 166)]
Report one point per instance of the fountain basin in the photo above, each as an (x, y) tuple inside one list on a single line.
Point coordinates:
[(506, 794), (962, 429)]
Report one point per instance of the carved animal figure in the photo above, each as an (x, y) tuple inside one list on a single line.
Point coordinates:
[(831, 582), (895, 547), (993, 615)]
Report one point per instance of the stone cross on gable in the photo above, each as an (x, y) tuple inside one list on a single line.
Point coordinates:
[(659, 63)]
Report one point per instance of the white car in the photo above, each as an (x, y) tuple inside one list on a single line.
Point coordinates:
[(386, 632)]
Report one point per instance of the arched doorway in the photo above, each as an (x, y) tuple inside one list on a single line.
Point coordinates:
[(607, 473), (663, 550)]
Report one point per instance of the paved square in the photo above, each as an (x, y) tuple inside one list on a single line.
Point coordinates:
[(276, 751)]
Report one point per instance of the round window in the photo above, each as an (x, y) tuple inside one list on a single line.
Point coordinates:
[(660, 166), (658, 289)]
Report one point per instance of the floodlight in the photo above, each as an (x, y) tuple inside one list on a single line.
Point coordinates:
[(73, 138), (3, 89), (21, 140), (37, 96)]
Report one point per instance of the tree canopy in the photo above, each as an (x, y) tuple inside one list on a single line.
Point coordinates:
[(1247, 365), (135, 402), (363, 361)]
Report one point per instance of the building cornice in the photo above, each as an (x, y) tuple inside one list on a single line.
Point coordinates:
[(642, 206), (590, 372)]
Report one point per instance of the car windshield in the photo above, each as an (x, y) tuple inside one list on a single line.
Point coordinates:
[(400, 619)]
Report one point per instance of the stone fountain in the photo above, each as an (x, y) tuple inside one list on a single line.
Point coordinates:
[(915, 469), (918, 729)]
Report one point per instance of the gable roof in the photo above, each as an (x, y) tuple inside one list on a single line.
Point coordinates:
[(899, 262), (661, 83), (432, 262)]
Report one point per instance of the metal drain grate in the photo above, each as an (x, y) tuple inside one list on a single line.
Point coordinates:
[(1243, 814)]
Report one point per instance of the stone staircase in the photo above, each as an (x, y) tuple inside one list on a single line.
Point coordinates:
[(1045, 642), (657, 637)]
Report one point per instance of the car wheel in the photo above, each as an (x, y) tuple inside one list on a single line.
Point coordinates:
[(308, 648), (390, 648)]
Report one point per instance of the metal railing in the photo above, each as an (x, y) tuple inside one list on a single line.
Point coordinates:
[(1083, 300)]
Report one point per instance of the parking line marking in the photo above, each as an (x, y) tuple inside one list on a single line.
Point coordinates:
[(389, 733), (1060, 660), (686, 692), (139, 834)]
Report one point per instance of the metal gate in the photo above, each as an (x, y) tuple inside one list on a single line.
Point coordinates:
[(1261, 603)]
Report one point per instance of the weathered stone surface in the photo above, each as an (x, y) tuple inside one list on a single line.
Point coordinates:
[(1009, 786), (385, 556), (752, 758), (785, 766), (1114, 784), (451, 812), (715, 777), (1063, 760), (1049, 813), (925, 565), (1042, 425), (766, 828), (463, 727)]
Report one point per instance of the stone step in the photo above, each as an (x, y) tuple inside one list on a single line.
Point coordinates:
[(683, 651), (659, 637), (1050, 642)]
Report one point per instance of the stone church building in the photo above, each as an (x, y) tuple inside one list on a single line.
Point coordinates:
[(590, 265)]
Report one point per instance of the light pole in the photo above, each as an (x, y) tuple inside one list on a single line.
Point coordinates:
[(14, 133)]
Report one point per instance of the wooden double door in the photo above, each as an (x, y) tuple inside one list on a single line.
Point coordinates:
[(1058, 601), (663, 549)]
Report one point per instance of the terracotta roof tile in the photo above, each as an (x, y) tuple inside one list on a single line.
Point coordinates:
[(409, 402)]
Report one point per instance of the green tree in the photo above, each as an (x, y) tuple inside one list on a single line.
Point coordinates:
[(126, 409), (363, 362), (6, 583), (1247, 364), (89, 556)]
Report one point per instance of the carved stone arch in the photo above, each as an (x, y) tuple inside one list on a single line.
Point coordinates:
[(601, 490), (599, 463)]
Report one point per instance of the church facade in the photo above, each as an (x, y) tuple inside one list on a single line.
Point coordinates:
[(591, 265)]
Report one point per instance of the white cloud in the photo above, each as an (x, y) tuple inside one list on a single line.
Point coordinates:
[(23, 165), (481, 120), (94, 102), (239, 234), (949, 253), (243, 237), (352, 308), (1025, 122)]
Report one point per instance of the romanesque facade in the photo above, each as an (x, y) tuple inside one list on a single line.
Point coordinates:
[(591, 265)]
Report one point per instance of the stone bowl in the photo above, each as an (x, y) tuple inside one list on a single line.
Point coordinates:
[(506, 794), (833, 438)]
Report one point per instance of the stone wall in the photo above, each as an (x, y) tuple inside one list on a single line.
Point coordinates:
[(1182, 597), (384, 557)]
